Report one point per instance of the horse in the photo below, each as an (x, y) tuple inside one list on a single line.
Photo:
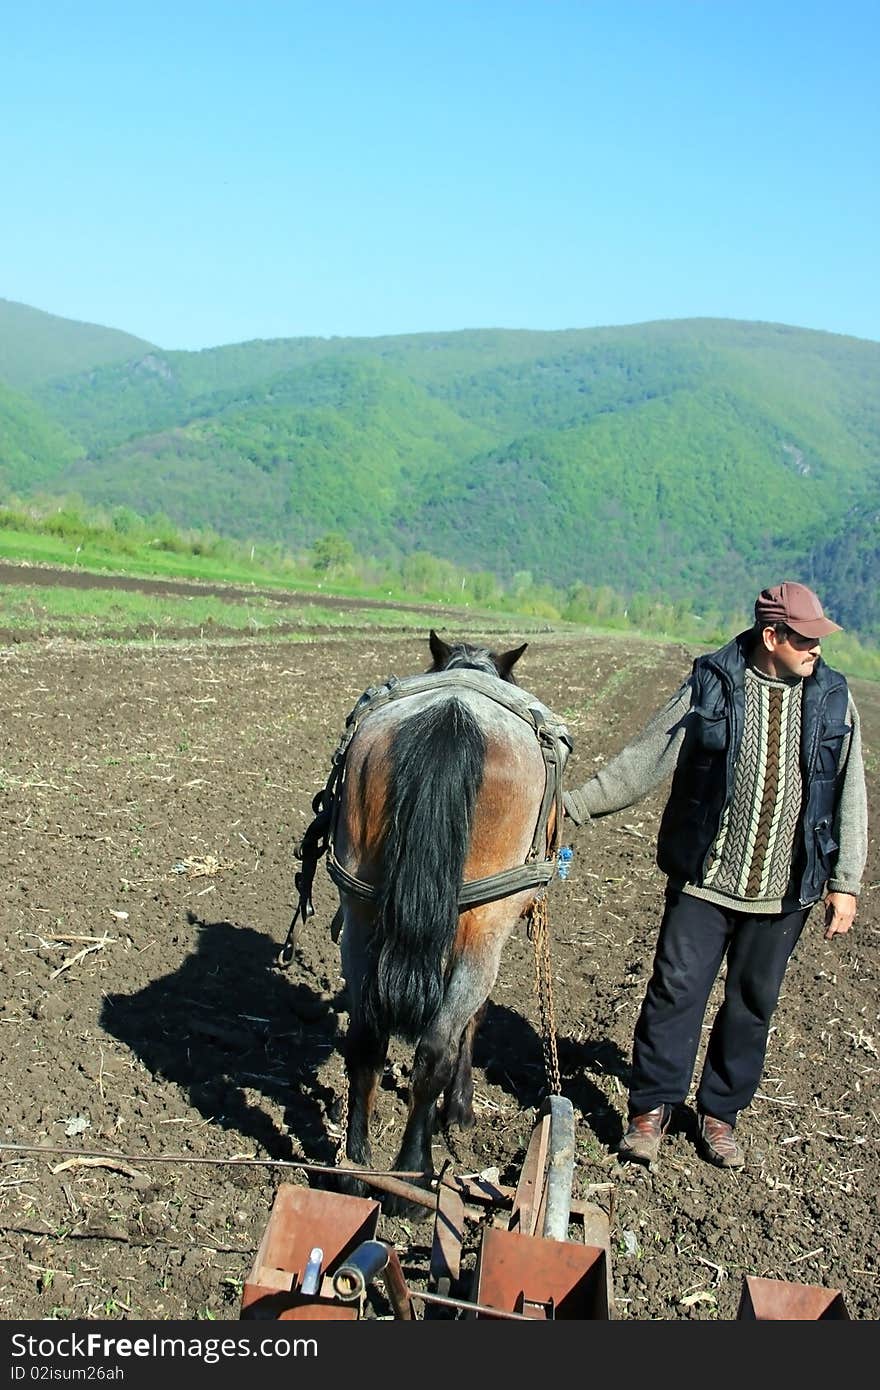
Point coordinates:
[(446, 818)]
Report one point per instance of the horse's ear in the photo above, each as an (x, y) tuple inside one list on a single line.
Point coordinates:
[(439, 651), (507, 660)]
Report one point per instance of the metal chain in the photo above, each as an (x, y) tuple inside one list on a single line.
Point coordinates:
[(343, 1120), (539, 934)]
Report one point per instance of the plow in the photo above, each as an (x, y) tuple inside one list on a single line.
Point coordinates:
[(542, 1255)]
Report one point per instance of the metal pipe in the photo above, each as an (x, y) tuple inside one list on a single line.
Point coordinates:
[(190, 1158), (396, 1186), (465, 1306), (372, 1258), (360, 1269), (396, 1287), (560, 1168)]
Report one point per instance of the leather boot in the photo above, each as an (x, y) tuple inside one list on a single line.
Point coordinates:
[(641, 1142), (719, 1144)]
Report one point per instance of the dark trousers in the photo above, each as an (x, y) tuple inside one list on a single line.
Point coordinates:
[(695, 936)]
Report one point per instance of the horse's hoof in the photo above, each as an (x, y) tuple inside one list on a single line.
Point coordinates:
[(458, 1114)]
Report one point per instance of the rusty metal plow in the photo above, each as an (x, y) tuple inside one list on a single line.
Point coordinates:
[(319, 1254), (781, 1300)]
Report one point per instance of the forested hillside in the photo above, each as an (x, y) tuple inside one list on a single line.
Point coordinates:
[(848, 566), (35, 346), (34, 451), (694, 459)]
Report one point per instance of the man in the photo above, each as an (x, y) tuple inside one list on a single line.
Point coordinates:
[(767, 814)]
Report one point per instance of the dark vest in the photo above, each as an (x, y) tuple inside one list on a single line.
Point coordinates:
[(703, 781)]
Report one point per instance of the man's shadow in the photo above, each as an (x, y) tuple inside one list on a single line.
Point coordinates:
[(228, 1022)]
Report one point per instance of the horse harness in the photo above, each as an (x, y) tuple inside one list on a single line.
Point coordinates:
[(540, 864)]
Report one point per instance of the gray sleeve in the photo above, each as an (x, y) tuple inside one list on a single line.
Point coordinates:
[(851, 820), (638, 768)]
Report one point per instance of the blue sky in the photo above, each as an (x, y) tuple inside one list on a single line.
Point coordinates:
[(204, 173)]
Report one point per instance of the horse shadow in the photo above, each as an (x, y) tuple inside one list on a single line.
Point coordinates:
[(510, 1052), (228, 1022)]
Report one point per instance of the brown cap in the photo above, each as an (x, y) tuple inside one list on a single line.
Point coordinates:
[(797, 607)]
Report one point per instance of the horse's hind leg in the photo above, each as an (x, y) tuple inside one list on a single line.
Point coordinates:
[(433, 1069), (435, 1065), (365, 1049), (458, 1098), (365, 1053)]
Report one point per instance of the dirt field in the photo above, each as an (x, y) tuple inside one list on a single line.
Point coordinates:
[(150, 796)]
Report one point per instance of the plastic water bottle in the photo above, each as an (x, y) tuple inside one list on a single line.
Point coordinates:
[(563, 860)]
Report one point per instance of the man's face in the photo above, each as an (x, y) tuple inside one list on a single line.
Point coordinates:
[(791, 655)]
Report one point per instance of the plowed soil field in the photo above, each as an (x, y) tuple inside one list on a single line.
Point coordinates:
[(150, 798)]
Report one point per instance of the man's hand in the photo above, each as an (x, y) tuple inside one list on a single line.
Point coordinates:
[(840, 911)]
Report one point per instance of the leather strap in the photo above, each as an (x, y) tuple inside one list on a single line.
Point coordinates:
[(535, 874)]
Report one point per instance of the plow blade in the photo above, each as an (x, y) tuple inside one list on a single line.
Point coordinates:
[(302, 1219), (776, 1300), (540, 1278)]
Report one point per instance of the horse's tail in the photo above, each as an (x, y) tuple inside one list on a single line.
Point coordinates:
[(437, 759)]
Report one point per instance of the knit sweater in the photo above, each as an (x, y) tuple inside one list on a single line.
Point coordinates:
[(751, 859), (750, 864)]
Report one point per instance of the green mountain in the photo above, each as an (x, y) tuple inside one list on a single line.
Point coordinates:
[(336, 446), (697, 459), (846, 565), (35, 346), (33, 449)]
